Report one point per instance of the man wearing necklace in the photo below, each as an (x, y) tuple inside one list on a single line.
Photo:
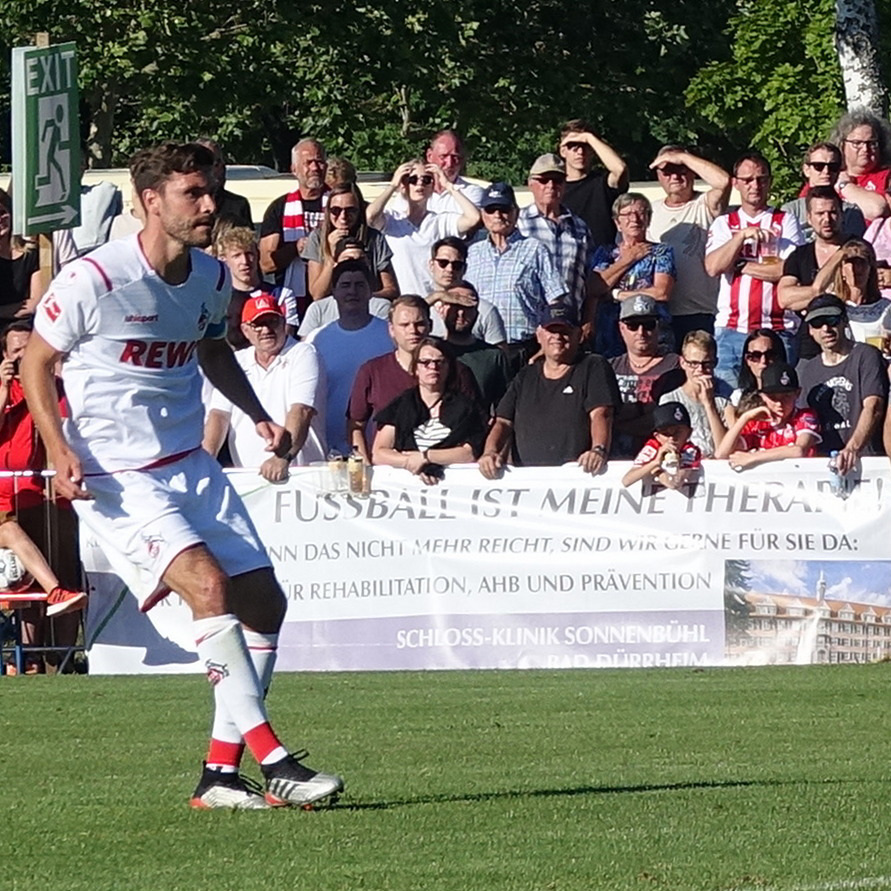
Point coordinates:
[(846, 385), (558, 409), (644, 372)]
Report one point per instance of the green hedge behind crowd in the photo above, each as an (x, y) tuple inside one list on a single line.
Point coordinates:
[(373, 81)]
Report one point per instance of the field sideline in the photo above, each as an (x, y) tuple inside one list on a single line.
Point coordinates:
[(771, 779)]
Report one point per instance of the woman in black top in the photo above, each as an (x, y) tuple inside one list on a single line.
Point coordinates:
[(431, 425), (19, 268)]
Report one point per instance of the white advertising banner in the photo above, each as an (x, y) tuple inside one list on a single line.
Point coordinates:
[(547, 568)]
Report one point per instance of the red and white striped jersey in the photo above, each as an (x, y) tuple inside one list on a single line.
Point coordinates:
[(746, 303)]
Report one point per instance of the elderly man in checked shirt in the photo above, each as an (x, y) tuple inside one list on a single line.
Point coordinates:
[(513, 272)]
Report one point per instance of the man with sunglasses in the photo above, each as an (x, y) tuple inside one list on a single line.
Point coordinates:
[(821, 167), (644, 372), (681, 220), (448, 264), (746, 248), (514, 273), (846, 385), (285, 376), (590, 193)]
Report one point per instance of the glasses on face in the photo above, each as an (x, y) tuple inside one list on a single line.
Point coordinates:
[(858, 144), (820, 166), (350, 210), (413, 179), (431, 363), (442, 263), (267, 321), (761, 179), (649, 325), (823, 321), (761, 355), (673, 170), (544, 180), (575, 146), (704, 364), (497, 208)]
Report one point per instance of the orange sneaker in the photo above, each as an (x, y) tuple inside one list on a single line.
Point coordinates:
[(61, 600)]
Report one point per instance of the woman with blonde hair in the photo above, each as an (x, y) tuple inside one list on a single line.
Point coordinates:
[(856, 282)]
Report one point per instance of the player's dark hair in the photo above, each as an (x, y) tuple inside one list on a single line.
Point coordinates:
[(450, 241), (822, 193), (755, 157), (151, 168), (351, 266)]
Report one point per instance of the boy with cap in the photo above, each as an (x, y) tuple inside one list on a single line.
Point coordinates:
[(846, 384), (668, 456), (775, 430)]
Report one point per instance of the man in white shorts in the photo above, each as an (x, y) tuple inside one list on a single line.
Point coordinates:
[(133, 321)]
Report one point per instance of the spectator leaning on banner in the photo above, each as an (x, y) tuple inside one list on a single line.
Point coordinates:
[(557, 410), (285, 376), (846, 385)]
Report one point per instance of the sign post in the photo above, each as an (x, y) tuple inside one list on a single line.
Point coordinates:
[(46, 139)]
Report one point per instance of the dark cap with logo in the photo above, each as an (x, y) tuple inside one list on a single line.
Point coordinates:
[(825, 306), (499, 194), (778, 378), (670, 414), (638, 306)]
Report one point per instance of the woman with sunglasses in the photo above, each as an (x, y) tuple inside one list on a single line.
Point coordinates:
[(344, 218), (856, 282), (761, 348), (433, 424), (411, 233)]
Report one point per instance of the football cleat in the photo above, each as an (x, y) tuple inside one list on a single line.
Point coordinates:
[(288, 782), (61, 600), (227, 790)]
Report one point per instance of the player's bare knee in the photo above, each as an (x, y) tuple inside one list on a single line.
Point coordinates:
[(208, 595)]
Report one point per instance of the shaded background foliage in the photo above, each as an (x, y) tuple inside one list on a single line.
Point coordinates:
[(374, 81)]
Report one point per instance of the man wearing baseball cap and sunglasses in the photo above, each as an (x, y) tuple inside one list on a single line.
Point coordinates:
[(846, 385)]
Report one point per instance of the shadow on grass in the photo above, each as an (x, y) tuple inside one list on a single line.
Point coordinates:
[(578, 790)]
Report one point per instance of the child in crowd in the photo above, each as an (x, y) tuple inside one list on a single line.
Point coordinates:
[(668, 457), (774, 430)]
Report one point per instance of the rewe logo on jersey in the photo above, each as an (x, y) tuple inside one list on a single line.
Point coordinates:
[(158, 353)]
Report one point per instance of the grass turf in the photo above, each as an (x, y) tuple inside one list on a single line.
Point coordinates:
[(721, 779)]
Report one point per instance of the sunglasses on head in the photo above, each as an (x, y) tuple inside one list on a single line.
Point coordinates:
[(413, 179), (823, 321), (758, 355), (337, 211), (442, 263), (649, 325), (820, 166)]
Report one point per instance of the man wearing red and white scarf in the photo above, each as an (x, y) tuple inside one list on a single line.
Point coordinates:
[(290, 218)]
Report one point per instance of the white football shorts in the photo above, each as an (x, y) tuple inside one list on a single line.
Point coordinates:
[(142, 519)]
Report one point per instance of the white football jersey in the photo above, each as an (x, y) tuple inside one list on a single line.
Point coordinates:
[(131, 371)]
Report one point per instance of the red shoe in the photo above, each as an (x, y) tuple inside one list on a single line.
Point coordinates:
[(61, 600)]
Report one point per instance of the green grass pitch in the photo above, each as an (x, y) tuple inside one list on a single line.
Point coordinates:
[(771, 779)]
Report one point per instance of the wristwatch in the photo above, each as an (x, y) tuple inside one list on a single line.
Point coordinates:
[(599, 449)]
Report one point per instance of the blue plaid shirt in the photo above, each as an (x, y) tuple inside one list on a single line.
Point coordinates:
[(521, 282), (569, 242)]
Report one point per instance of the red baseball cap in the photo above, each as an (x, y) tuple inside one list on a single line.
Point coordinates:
[(261, 305)]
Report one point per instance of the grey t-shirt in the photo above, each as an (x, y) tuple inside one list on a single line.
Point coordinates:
[(320, 312)]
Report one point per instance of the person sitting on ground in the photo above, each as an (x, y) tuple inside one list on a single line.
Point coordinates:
[(489, 365), (411, 234), (344, 217), (237, 247), (846, 385), (432, 424), (644, 372), (776, 429), (668, 457), (703, 396), (557, 410), (448, 265), (761, 348), (633, 266), (856, 282)]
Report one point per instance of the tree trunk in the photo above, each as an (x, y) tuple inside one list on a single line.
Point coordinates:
[(103, 103), (857, 42)]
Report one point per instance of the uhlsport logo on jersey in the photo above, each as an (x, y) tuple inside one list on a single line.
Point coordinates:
[(216, 671)]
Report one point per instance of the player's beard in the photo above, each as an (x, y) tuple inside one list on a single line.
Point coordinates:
[(188, 233)]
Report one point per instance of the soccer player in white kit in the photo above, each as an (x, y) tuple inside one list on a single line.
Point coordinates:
[(132, 322)]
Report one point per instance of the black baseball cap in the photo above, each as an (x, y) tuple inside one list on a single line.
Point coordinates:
[(824, 306), (670, 414), (778, 378), (499, 194)]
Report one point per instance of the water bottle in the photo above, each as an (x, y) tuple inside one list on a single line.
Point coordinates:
[(837, 483)]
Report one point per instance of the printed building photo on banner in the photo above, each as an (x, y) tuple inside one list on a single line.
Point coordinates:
[(803, 612)]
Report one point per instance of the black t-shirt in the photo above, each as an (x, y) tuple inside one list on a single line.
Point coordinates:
[(592, 199), (836, 394), (15, 277), (550, 418), (802, 263), (489, 365), (234, 208)]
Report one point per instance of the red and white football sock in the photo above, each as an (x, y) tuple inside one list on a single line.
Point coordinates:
[(237, 689)]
